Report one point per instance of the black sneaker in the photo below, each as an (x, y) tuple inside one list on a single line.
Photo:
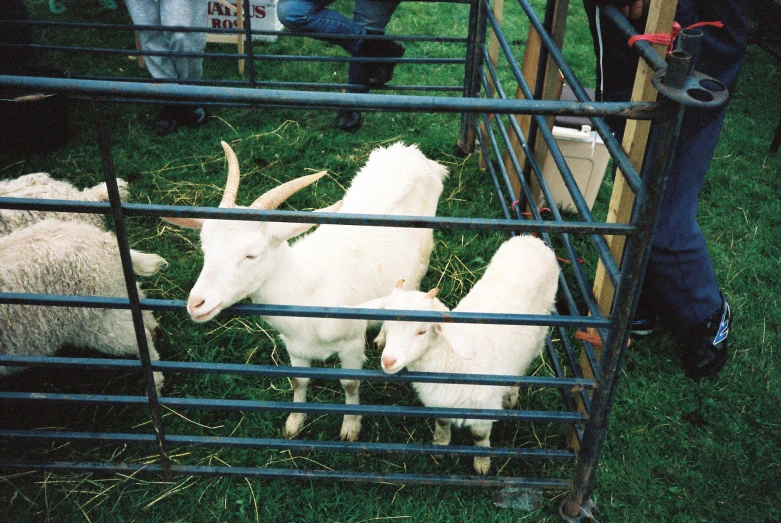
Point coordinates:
[(707, 352), (645, 317), (642, 326)]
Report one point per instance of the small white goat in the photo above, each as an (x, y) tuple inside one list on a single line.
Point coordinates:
[(43, 186), (522, 278), (336, 265), (55, 257)]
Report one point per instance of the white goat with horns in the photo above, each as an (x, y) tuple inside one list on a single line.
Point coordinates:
[(522, 278), (336, 265)]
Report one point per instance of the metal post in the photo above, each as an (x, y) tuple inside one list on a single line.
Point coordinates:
[(248, 46), (130, 281), (539, 84), (478, 24), (661, 148), (690, 41)]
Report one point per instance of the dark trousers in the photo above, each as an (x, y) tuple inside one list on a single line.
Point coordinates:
[(680, 280)]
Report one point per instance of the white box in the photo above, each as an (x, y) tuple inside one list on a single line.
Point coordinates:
[(262, 12), (587, 158)]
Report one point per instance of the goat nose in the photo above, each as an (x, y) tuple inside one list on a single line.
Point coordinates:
[(388, 361), (194, 302)]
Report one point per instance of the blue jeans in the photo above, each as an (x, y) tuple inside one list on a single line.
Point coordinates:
[(680, 277), (311, 16)]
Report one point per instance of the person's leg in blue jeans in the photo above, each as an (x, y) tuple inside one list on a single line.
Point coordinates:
[(369, 17), (311, 16), (680, 279)]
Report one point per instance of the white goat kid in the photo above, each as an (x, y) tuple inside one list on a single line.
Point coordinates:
[(43, 186), (333, 266), (55, 257), (522, 278)]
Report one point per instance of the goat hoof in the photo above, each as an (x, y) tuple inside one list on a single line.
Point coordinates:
[(294, 425), (482, 465), (350, 430)]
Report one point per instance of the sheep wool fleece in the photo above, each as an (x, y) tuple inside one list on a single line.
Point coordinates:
[(43, 186), (53, 257)]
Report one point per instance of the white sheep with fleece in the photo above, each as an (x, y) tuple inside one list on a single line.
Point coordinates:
[(56, 257), (522, 278), (43, 186), (336, 265)]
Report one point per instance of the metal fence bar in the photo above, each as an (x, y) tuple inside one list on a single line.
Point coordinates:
[(232, 56), (573, 384), (309, 475), (216, 30), (542, 64), (249, 48), (500, 195), (644, 49), (474, 63), (297, 445), (200, 93), (267, 84), (263, 84), (303, 311), (373, 220), (130, 281), (661, 146), (309, 408)]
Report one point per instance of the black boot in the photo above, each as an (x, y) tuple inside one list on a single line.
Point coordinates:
[(350, 120)]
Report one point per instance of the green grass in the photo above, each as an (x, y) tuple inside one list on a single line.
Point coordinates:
[(677, 450)]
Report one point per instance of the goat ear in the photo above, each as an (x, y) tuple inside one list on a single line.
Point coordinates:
[(286, 231), (187, 223), (455, 336), (378, 303)]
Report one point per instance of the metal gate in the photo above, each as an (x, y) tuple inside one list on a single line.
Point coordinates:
[(487, 122)]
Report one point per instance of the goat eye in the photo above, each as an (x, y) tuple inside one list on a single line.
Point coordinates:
[(421, 332), (251, 256)]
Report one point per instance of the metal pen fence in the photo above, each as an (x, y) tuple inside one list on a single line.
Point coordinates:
[(486, 112)]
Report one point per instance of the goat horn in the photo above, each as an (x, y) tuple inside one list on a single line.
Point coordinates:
[(399, 284), (232, 185), (432, 293), (274, 198)]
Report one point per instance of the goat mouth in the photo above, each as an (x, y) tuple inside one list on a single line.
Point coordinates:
[(200, 318), (392, 370)]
